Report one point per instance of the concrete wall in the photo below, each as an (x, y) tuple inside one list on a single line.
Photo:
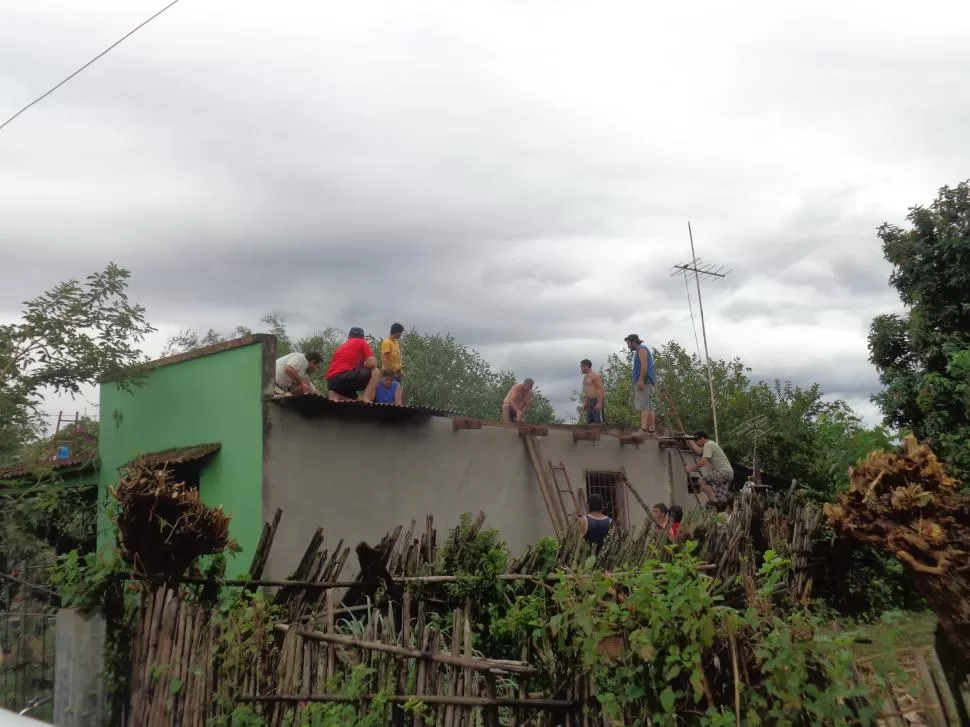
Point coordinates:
[(79, 696), (210, 395), (360, 477)]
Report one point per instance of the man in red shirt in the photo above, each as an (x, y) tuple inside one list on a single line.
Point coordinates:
[(353, 369)]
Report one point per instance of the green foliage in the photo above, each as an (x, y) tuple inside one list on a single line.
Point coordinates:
[(439, 372), (923, 357), (82, 581), (364, 713), (73, 334), (687, 658)]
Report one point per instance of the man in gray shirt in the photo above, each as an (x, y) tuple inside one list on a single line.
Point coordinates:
[(716, 484)]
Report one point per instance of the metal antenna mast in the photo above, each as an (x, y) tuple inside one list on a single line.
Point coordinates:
[(707, 270)]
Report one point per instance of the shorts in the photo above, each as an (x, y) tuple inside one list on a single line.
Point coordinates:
[(348, 383), (513, 416), (594, 416), (720, 482), (643, 400)]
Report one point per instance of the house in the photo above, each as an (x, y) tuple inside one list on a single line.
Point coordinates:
[(359, 470)]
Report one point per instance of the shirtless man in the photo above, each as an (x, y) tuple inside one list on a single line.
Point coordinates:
[(517, 402), (594, 393)]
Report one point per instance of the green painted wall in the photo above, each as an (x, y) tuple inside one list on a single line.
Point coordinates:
[(212, 398)]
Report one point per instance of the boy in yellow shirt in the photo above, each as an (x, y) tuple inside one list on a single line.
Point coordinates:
[(391, 351)]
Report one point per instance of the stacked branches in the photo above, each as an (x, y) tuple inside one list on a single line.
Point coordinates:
[(163, 526), (904, 503)]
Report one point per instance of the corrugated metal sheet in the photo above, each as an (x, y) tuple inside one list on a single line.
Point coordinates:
[(10, 472), (316, 404), (178, 455)]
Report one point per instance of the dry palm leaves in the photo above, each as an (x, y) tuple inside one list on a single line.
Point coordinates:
[(163, 525), (904, 503)]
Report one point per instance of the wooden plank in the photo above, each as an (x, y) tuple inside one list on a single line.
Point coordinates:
[(532, 447)]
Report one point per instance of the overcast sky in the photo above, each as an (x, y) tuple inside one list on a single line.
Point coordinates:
[(519, 174)]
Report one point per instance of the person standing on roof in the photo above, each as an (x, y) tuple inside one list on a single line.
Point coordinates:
[(594, 393), (293, 373), (595, 526), (391, 351), (389, 391), (353, 369), (643, 383), (717, 482), (518, 402)]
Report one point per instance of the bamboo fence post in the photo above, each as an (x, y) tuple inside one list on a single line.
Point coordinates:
[(934, 713), (943, 686)]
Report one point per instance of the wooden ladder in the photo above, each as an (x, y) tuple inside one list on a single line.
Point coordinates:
[(569, 489), (551, 494)]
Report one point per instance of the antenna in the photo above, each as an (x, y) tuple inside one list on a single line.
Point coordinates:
[(755, 427), (709, 271)]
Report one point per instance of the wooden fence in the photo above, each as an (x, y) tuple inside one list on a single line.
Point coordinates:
[(384, 649)]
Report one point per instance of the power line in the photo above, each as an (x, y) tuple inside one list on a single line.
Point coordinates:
[(97, 57)]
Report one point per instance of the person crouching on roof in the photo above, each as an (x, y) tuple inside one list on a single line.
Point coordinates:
[(518, 402), (353, 369), (293, 373), (389, 390)]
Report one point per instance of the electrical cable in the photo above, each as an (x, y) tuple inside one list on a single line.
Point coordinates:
[(102, 53), (690, 306)]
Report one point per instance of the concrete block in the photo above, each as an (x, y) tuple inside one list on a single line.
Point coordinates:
[(79, 694)]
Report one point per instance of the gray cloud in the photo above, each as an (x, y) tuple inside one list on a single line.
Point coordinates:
[(455, 170)]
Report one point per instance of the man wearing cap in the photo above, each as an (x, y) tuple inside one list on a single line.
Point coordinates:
[(518, 402), (353, 369), (643, 383), (717, 482)]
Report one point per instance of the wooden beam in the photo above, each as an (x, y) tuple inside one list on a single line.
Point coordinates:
[(465, 423), (548, 490), (478, 664), (585, 435), (464, 701), (635, 439), (530, 430)]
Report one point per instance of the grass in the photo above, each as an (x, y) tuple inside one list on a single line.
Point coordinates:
[(897, 630)]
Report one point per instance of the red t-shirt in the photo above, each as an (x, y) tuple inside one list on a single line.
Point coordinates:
[(674, 529), (350, 355)]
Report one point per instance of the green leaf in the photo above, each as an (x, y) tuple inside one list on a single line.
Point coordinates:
[(175, 687), (667, 699)]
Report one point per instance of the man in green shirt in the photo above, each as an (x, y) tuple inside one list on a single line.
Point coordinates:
[(717, 482)]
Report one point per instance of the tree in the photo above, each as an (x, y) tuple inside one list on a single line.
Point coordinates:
[(923, 356), (74, 334), (439, 372)]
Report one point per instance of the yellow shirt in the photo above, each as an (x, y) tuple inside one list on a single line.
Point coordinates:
[(391, 354)]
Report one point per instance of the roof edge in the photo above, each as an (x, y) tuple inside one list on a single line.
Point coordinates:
[(250, 340)]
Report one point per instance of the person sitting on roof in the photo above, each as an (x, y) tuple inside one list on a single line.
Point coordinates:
[(353, 369), (595, 526), (518, 402), (389, 390), (293, 373)]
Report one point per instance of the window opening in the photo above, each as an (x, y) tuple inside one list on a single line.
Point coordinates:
[(609, 486)]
